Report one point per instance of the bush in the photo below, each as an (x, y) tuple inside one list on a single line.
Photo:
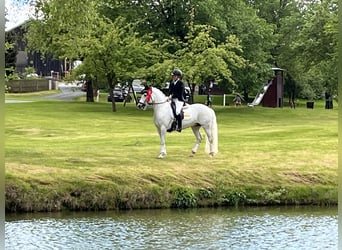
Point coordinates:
[(308, 92), (233, 198), (183, 198)]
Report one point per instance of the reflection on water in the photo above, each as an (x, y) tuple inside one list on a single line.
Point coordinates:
[(249, 228)]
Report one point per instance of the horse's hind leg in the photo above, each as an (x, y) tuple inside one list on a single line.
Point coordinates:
[(195, 130), (209, 141)]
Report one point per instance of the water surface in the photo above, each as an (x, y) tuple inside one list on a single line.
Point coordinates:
[(247, 228)]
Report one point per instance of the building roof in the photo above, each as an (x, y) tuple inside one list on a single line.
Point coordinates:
[(16, 26)]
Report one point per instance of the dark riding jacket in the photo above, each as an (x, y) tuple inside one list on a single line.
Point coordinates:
[(176, 90)]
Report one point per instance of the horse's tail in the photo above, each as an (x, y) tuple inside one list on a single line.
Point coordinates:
[(214, 134)]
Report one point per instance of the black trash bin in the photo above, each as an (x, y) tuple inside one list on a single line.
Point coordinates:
[(310, 105)]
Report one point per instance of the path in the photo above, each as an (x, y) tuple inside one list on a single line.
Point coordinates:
[(68, 92)]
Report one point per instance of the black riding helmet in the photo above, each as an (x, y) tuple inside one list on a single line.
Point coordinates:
[(176, 72)]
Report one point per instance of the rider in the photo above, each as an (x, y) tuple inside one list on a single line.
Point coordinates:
[(176, 94)]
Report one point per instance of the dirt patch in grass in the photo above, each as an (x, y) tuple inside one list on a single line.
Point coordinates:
[(305, 178)]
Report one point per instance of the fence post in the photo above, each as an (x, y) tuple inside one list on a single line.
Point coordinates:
[(98, 95), (224, 100)]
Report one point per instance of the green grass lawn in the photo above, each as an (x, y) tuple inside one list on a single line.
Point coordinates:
[(81, 156)]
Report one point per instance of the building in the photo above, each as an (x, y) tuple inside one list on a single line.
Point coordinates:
[(20, 58)]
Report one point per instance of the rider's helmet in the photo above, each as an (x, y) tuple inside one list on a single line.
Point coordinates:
[(177, 72)]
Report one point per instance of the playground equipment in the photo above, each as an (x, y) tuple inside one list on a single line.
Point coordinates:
[(272, 92)]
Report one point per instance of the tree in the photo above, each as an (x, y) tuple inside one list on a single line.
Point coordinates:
[(306, 45), (241, 39), (201, 58), (292, 89), (110, 50), (115, 53), (170, 23), (204, 59), (60, 27), (318, 43), (10, 55)]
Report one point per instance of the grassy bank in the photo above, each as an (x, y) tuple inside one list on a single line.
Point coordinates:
[(82, 156)]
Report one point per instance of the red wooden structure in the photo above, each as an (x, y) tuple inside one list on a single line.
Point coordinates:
[(275, 93)]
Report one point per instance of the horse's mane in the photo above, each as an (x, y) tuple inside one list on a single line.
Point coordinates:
[(158, 91)]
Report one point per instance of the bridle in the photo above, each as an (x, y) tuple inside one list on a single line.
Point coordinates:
[(148, 99), (148, 95)]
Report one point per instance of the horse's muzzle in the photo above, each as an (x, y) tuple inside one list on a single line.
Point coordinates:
[(141, 105)]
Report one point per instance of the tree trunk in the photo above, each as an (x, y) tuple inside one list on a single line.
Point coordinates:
[(90, 93), (245, 95), (111, 97), (110, 79), (192, 89), (113, 105)]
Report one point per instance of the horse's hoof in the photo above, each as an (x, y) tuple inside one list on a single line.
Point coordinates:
[(192, 154), (161, 156), (211, 155)]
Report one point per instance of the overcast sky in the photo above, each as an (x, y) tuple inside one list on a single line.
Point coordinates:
[(18, 11)]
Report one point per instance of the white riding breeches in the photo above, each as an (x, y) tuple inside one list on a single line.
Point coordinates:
[(179, 105)]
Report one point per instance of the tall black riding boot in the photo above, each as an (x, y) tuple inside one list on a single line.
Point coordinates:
[(173, 126), (179, 121)]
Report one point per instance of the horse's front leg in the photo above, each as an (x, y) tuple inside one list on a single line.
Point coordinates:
[(195, 130), (162, 136)]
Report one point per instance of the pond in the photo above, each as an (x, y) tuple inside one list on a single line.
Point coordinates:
[(205, 228)]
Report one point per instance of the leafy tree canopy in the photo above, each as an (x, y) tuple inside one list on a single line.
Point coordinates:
[(234, 42)]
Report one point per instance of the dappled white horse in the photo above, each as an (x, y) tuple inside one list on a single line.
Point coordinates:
[(195, 116)]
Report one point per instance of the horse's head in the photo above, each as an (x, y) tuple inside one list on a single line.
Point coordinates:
[(145, 99)]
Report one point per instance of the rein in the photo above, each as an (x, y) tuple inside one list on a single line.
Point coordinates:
[(156, 103), (149, 98)]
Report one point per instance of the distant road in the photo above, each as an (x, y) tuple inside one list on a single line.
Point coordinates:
[(68, 92)]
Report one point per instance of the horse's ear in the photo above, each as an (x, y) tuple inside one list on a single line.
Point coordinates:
[(144, 90)]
